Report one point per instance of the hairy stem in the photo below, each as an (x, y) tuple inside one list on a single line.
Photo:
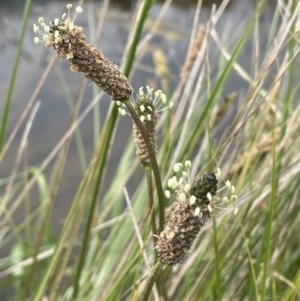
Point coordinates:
[(150, 282)]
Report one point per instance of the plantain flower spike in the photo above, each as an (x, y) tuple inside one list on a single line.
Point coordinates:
[(193, 207), (147, 106), (69, 42)]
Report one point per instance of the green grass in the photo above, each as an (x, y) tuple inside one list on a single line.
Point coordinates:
[(105, 248)]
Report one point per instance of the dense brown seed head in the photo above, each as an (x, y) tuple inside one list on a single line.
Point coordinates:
[(147, 112), (190, 211), (182, 228), (70, 43)]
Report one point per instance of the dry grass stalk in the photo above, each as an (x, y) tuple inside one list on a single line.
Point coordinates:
[(161, 68), (223, 109), (193, 51)]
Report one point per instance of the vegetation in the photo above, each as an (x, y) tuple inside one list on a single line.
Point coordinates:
[(106, 250)]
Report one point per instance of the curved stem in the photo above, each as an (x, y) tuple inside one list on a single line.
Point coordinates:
[(150, 282), (152, 156), (148, 172)]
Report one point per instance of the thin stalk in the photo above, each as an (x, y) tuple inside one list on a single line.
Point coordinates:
[(148, 172), (12, 82), (290, 76), (58, 171), (160, 192), (218, 286), (103, 144), (150, 282), (268, 235), (254, 279)]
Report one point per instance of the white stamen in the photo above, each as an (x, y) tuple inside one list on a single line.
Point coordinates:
[(79, 9), (56, 21), (218, 173), (188, 163), (141, 91), (118, 103), (149, 108), (71, 26), (142, 108), (56, 34), (197, 211), (187, 187), (185, 174), (225, 200), (150, 91), (232, 190), (180, 180), (228, 184), (167, 194), (175, 184), (209, 196), (41, 20), (35, 28), (142, 118), (192, 200), (182, 197), (176, 167), (63, 16), (149, 117), (170, 182), (209, 208), (171, 105), (36, 40), (236, 209), (233, 198), (69, 6)]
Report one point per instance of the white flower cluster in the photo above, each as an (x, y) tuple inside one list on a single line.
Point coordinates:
[(159, 101), (53, 28), (182, 186)]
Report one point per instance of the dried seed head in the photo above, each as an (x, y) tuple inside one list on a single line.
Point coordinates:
[(193, 206), (70, 43), (147, 113), (193, 51), (184, 224), (147, 107), (204, 184), (161, 67)]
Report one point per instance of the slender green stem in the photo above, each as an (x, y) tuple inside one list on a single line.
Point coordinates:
[(6, 110), (152, 156), (148, 172), (150, 282), (104, 146), (268, 235), (218, 288)]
